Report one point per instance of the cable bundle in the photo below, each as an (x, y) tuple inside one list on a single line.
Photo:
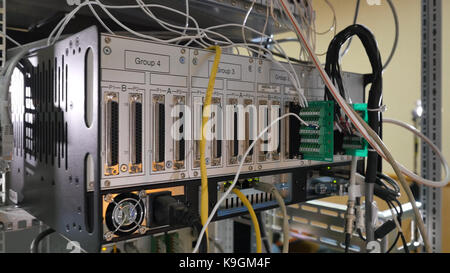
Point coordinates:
[(333, 69)]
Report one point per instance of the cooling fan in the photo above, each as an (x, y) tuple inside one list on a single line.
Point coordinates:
[(124, 214)]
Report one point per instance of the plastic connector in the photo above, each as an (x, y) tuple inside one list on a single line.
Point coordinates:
[(385, 229), (167, 210), (385, 194)]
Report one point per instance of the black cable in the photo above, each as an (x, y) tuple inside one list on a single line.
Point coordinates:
[(391, 181), (333, 69), (166, 210), (347, 242), (360, 234), (399, 219), (34, 248), (262, 228), (289, 58), (355, 19), (394, 243), (405, 244)]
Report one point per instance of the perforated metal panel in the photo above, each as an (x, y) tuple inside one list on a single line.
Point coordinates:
[(2, 35), (52, 142), (431, 121)]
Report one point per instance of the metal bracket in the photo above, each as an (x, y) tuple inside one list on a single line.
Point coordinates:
[(323, 223), (431, 121)]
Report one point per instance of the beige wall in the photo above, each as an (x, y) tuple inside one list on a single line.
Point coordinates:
[(401, 79)]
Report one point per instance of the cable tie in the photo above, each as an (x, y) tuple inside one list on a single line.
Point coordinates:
[(382, 109)]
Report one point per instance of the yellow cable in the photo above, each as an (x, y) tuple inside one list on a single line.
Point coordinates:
[(204, 209), (254, 219)]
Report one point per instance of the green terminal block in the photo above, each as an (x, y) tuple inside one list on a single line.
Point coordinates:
[(317, 143), (356, 145)]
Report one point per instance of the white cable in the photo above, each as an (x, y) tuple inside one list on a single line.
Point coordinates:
[(230, 188), (363, 128), (187, 18), (57, 31), (163, 24), (61, 25), (100, 19), (200, 34), (370, 135), (265, 27), (245, 22), (436, 149), (293, 76)]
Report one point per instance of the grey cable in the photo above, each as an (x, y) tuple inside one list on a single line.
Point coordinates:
[(282, 205), (397, 32), (419, 221), (269, 188)]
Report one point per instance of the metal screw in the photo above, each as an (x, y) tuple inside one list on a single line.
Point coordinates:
[(183, 175), (182, 60), (107, 183), (108, 236), (183, 51), (259, 167), (107, 40), (250, 168), (142, 230), (196, 52), (169, 164), (107, 50), (195, 173), (142, 194), (108, 198), (195, 61)]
